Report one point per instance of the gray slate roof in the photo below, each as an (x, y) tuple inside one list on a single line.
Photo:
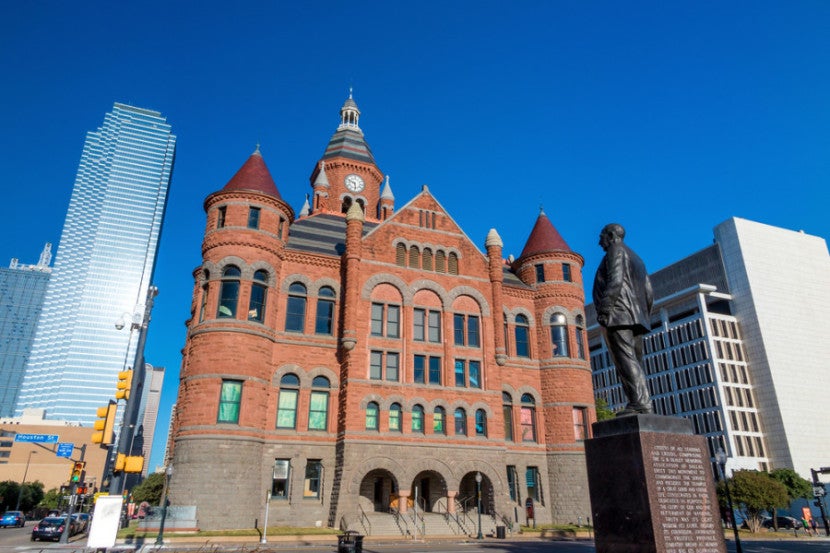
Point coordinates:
[(321, 234)]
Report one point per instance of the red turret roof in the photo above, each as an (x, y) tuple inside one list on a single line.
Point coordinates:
[(544, 238), (254, 175)]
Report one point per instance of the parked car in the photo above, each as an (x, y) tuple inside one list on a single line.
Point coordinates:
[(50, 528), (82, 521), (784, 523), (13, 518)]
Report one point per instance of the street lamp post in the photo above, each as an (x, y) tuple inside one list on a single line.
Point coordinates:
[(720, 458), (23, 483), (478, 495), (168, 471)]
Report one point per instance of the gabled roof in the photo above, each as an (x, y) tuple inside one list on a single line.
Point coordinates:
[(544, 238), (254, 176)]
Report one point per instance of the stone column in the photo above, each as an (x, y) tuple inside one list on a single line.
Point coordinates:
[(451, 502), (403, 498)]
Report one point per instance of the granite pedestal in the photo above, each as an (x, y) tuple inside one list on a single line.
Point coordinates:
[(651, 487)]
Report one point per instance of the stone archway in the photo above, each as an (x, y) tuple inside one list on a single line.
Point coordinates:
[(377, 490), (430, 489), (468, 494)]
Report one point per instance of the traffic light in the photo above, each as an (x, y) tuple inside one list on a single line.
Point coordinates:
[(120, 461), (77, 474), (134, 463), (105, 424), (124, 385)]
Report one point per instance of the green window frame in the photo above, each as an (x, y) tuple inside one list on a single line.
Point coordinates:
[(230, 400)]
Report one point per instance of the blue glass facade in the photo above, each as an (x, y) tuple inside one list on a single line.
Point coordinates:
[(103, 266), (22, 289)]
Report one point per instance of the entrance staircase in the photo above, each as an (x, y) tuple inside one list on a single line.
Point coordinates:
[(422, 525)]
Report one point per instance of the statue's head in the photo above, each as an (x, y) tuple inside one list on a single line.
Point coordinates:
[(610, 234)]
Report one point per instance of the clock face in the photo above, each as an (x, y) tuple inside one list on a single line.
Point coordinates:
[(354, 183)]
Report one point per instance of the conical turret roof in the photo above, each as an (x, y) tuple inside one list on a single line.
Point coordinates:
[(348, 140), (254, 176), (544, 238)]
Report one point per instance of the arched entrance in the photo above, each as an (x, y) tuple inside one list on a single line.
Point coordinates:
[(430, 489), (378, 488), (468, 494)]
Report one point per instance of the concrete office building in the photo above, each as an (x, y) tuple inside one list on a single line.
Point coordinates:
[(739, 345)]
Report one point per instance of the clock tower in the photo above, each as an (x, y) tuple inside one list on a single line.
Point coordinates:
[(347, 172)]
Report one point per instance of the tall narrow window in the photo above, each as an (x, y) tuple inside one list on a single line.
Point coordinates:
[(287, 401), (452, 264), (281, 229), (415, 257), (458, 329), (460, 422), (419, 324), (395, 417), (440, 262), (481, 422), (427, 260), (466, 330), (522, 330), (540, 272), (376, 365), (580, 423), (472, 331), (313, 472), (580, 338), (533, 484), (559, 335), (229, 292), (230, 398), (460, 376), (528, 418), (280, 479), (474, 374), (253, 218), (318, 407), (418, 419), (385, 320), (512, 484), (566, 272), (392, 366), (295, 308), (203, 303), (438, 421), (259, 289), (400, 255), (507, 415), (435, 370), (324, 322), (372, 411), (220, 216), (434, 326), (419, 368)]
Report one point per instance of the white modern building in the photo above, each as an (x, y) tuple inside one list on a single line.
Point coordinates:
[(739, 344)]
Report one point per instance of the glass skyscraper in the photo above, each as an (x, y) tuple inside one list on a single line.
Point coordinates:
[(22, 289), (103, 266)]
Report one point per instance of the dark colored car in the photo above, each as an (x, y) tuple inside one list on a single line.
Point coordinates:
[(13, 518), (51, 528), (784, 523)]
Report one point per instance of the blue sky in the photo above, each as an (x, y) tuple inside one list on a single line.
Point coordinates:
[(668, 117)]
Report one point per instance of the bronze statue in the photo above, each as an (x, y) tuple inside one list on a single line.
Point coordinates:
[(623, 299)]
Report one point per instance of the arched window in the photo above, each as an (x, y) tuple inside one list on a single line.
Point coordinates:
[(318, 407), (427, 260), (400, 255), (395, 417), (507, 414), (522, 334), (452, 264), (372, 411), (460, 422), (528, 418), (481, 422), (415, 257), (229, 292), (259, 289), (324, 323), (440, 262), (559, 335), (439, 421), (287, 402), (295, 308), (347, 203), (580, 338), (418, 419)]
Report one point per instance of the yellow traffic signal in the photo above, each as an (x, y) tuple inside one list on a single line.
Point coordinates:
[(124, 385), (77, 474), (134, 463), (120, 461), (105, 424)]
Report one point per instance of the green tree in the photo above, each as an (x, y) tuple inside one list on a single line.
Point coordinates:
[(150, 489), (51, 499), (797, 487), (603, 411), (753, 493), (9, 489), (31, 495)]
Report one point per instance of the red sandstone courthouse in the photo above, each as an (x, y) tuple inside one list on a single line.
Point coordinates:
[(360, 365)]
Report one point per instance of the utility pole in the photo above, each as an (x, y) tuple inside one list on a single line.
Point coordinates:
[(819, 493)]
